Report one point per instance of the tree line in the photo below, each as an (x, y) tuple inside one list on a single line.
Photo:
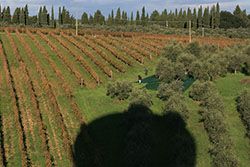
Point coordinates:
[(208, 17)]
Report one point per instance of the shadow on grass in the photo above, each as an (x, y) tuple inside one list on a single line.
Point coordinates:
[(135, 138)]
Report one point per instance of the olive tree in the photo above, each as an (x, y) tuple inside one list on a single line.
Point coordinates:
[(119, 89), (166, 90)]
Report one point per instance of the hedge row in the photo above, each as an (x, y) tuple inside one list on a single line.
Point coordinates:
[(213, 119)]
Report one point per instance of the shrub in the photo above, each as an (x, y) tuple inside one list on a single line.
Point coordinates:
[(176, 103), (119, 90), (186, 59), (168, 71), (166, 90), (202, 90), (198, 70), (140, 97), (194, 48), (243, 107), (172, 51)]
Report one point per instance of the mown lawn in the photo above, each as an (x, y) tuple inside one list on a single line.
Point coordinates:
[(96, 105)]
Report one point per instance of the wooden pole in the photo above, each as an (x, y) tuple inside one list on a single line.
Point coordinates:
[(190, 31), (76, 27)]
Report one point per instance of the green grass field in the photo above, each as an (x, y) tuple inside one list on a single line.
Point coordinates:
[(104, 116), (229, 87)]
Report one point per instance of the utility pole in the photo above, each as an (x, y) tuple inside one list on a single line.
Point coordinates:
[(167, 24), (190, 31), (76, 27)]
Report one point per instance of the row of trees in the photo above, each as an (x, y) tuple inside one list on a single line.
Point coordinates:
[(213, 120), (179, 61), (201, 17), (243, 107)]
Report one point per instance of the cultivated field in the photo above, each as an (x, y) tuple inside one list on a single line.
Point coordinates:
[(52, 82)]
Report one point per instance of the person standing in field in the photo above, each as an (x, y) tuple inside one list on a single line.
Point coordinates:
[(139, 79)]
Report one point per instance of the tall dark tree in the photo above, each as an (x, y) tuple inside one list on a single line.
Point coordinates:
[(1, 13), (26, 15), (138, 20), (118, 17), (200, 17), (194, 18), (44, 18), (6, 15), (16, 16), (85, 19), (91, 19), (143, 16), (112, 17), (60, 16), (217, 16), (206, 18), (52, 23), (132, 18), (39, 20), (99, 18), (155, 16), (212, 16), (22, 16)]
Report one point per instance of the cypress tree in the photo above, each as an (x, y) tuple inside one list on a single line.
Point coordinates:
[(40, 16), (60, 16), (217, 17), (118, 17), (85, 19), (109, 21), (0, 13), (194, 19), (180, 19), (212, 17), (16, 16), (132, 18), (91, 19), (26, 15), (137, 20), (206, 18), (112, 17), (64, 19), (52, 23), (184, 17), (189, 14), (155, 16), (6, 15), (44, 19), (143, 16), (22, 16), (199, 17), (163, 17), (98, 18)]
